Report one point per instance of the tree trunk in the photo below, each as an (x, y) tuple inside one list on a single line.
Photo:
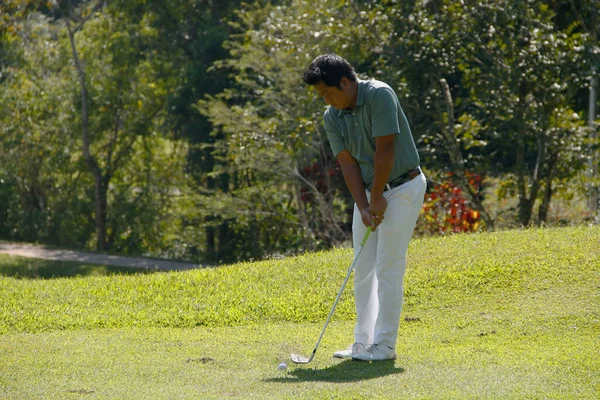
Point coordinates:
[(225, 248), (526, 206), (457, 161), (543, 211), (101, 208), (520, 170), (593, 195), (211, 246), (100, 200), (211, 252)]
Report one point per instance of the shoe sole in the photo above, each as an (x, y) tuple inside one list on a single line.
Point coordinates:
[(385, 359)]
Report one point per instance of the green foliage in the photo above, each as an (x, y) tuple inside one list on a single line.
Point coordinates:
[(142, 166), (47, 182), (38, 145), (207, 139), (510, 76)]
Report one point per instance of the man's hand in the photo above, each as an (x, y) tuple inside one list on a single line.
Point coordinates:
[(373, 215), (376, 209), (367, 218)]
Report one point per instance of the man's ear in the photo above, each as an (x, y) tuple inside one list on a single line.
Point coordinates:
[(344, 83)]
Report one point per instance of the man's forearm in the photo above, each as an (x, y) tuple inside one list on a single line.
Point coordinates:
[(384, 162), (355, 184)]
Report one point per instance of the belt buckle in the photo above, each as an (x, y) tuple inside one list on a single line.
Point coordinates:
[(414, 173), (402, 179)]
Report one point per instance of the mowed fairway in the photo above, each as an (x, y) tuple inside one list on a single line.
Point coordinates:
[(507, 315)]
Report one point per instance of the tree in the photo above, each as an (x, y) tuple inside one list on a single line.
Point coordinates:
[(283, 181), (106, 116), (584, 17), (431, 45), (121, 118), (482, 81), (198, 28), (39, 181), (532, 75)]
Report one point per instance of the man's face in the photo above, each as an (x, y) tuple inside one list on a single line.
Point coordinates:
[(340, 99)]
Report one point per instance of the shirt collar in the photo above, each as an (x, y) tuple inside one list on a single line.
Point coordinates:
[(359, 98)]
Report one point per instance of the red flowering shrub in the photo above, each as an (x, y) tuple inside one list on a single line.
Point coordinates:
[(446, 209)]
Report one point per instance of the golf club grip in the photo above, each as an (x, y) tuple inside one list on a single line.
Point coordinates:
[(362, 244)]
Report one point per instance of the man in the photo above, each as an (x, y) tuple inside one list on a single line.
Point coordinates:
[(369, 134)]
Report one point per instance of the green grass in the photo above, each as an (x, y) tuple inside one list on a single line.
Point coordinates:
[(508, 315)]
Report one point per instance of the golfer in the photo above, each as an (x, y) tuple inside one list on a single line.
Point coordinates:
[(369, 134)]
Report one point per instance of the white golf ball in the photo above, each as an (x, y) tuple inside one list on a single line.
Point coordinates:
[(282, 366)]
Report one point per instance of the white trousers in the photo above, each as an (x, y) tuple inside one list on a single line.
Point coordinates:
[(379, 270)]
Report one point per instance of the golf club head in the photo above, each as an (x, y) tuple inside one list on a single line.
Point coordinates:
[(298, 359)]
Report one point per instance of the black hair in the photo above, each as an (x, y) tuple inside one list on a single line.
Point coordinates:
[(330, 69)]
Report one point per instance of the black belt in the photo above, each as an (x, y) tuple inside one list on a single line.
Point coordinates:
[(402, 179)]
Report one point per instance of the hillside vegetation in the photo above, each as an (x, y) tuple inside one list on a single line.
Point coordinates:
[(453, 272)]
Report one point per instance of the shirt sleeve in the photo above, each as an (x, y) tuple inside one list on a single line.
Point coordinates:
[(384, 113), (336, 140)]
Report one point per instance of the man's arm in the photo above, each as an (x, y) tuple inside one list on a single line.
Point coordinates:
[(383, 164), (353, 178)]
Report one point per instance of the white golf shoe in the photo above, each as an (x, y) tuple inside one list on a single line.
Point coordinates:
[(350, 351), (377, 352)]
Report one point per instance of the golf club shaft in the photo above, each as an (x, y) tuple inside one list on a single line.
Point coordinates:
[(341, 291)]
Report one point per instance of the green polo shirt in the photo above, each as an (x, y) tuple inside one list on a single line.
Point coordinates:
[(377, 113)]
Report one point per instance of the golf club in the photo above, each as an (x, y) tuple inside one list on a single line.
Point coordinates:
[(298, 359)]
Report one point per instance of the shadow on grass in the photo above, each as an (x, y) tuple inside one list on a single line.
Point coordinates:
[(25, 268), (345, 371)]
